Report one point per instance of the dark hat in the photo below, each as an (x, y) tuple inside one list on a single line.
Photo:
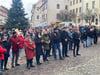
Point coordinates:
[(14, 32)]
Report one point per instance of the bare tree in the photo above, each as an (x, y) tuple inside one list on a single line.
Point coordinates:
[(89, 16), (64, 15)]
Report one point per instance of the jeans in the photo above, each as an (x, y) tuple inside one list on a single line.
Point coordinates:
[(89, 41), (84, 43), (57, 47), (76, 45), (64, 50), (46, 52), (70, 45), (15, 54), (95, 39), (4, 63)]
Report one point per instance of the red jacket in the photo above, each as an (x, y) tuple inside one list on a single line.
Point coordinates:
[(2, 51), (21, 45), (14, 43), (30, 53)]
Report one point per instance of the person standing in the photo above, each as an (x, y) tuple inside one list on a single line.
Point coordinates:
[(56, 40), (21, 45), (64, 40), (30, 51), (95, 35), (46, 44), (2, 51), (70, 32), (6, 46), (39, 50), (14, 44), (76, 40), (84, 38)]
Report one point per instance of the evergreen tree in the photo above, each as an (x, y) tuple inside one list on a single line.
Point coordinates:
[(16, 16)]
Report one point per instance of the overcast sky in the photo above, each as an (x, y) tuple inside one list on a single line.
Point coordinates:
[(27, 5)]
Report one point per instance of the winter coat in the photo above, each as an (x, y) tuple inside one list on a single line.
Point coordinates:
[(84, 36), (56, 39), (21, 45), (76, 37), (2, 51), (46, 39), (90, 34), (29, 49), (64, 36), (95, 33), (38, 44), (14, 43), (5, 45)]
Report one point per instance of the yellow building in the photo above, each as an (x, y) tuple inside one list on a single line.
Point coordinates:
[(81, 6)]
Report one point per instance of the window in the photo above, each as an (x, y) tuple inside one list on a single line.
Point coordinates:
[(58, 6), (76, 10), (66, 7), (86, 5), (80, 1), (76, 1), (58, 16), (80, 9), (70, 11), (37, 8), (93, 4), (79, 20), (37, 16), (73, 2), (70, 3)]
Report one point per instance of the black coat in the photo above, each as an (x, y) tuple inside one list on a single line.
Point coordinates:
[(38, 44), (56, 39), (64, 35), (6, 45), (95, 32), (84, 36), (90, 34), (76, 37)]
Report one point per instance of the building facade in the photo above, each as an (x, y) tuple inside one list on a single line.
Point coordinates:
[(48, 10), (3, 15), (36, 14), (82, 6)]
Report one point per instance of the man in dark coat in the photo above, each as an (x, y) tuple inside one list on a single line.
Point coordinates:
[(56, 39), (76, 40), (64, 40), (84, 38), (95, 35)]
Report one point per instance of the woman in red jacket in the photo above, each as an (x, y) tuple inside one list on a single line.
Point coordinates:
[(21, 45), (30, 50), (2, 51)]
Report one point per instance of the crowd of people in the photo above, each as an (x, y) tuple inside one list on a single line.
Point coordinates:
[(44, 42)]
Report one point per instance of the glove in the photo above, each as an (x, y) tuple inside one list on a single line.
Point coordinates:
[(33, 49)]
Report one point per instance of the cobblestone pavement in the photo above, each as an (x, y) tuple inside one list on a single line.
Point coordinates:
[(86, 64)]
